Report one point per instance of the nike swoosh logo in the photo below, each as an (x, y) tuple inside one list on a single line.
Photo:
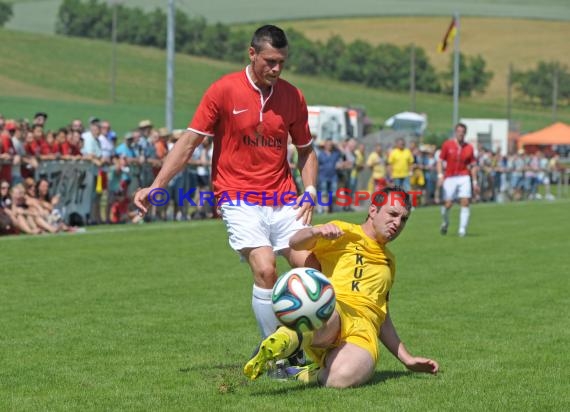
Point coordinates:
[(239, 111)]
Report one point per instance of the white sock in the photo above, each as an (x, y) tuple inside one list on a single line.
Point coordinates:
[(463, 219), (261, 304), (445, 215)]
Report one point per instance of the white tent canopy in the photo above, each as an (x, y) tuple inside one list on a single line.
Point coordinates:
[(416, 122)]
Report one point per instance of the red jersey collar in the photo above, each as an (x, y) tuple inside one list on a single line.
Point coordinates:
[(252, 83), (462, 145)]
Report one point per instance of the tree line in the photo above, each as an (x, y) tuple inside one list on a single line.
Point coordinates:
[(385, 66)]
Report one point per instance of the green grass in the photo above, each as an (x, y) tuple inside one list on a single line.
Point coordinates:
[(69, 78), (39, 16), (157, 317)]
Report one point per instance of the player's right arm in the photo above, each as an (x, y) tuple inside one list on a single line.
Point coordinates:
[(174, 163), (306, 239)]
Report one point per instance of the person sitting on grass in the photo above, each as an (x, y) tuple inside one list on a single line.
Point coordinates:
[(24, 216), (43, 205), (7, 226)]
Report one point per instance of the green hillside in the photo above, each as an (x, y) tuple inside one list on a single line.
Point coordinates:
[(501, 42), (70, 77), (40, 15)]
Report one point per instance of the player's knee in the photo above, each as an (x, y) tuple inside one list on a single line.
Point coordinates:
[(265, 275), (344, 378), (348, 375)]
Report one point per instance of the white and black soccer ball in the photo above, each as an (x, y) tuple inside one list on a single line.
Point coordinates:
[(303, 299)]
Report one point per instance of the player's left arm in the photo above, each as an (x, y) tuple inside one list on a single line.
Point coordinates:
[(474, 169), (389, 337), (439, 164), (308, 166)]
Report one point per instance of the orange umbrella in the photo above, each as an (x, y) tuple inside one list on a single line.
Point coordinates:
[(557, 133)]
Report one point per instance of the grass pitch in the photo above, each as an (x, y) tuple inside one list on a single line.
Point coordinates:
[(157, 317)]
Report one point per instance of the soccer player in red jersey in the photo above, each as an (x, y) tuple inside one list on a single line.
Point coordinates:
[(460, 164), (250, 114)]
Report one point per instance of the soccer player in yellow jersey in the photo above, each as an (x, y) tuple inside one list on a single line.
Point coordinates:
[(361, 269)]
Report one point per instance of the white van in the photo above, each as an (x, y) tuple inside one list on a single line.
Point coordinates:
[(330, 122)]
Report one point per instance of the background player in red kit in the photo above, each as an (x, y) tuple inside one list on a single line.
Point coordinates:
[(460, 162), (250, 114)]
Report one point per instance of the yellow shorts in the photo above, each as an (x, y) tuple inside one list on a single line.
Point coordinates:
[(355, 329)]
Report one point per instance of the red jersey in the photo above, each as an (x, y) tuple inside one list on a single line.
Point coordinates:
[(6, 147), (457, 157), (54, 148), (119, 210), (37, 148), (68, 149), (250, 135)]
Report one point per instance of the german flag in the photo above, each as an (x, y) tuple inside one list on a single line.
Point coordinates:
[(449, 36)]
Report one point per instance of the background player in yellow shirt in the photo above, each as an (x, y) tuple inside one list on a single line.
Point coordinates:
[(400, 163), (361, 268), (377, 164)]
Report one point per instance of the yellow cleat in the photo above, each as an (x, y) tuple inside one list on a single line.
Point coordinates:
[(275, 347)]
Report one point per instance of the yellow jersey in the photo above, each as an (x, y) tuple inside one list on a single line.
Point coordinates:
[(361, 270), (358, 164), (376, 162), (400, 160)]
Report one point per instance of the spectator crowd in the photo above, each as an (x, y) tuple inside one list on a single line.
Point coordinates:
[(502, 178), (28, 203)]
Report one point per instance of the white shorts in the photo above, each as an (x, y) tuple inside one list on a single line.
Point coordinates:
[(256, 226), (457, 187)]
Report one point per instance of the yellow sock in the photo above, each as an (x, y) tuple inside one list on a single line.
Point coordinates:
[(294, 343), (307, 339)]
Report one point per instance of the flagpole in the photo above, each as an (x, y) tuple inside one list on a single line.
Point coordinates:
[(456, 70), (413, 78), (170, 55)]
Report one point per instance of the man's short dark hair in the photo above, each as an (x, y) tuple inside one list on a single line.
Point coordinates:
[(269, 34), (461, 125), (381, 197)]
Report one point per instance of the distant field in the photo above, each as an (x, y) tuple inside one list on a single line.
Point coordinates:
[(500, 41), (70, 77), (157, 317), (40, 15)]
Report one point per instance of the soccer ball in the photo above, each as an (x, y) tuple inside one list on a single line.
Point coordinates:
[(303, 299)]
